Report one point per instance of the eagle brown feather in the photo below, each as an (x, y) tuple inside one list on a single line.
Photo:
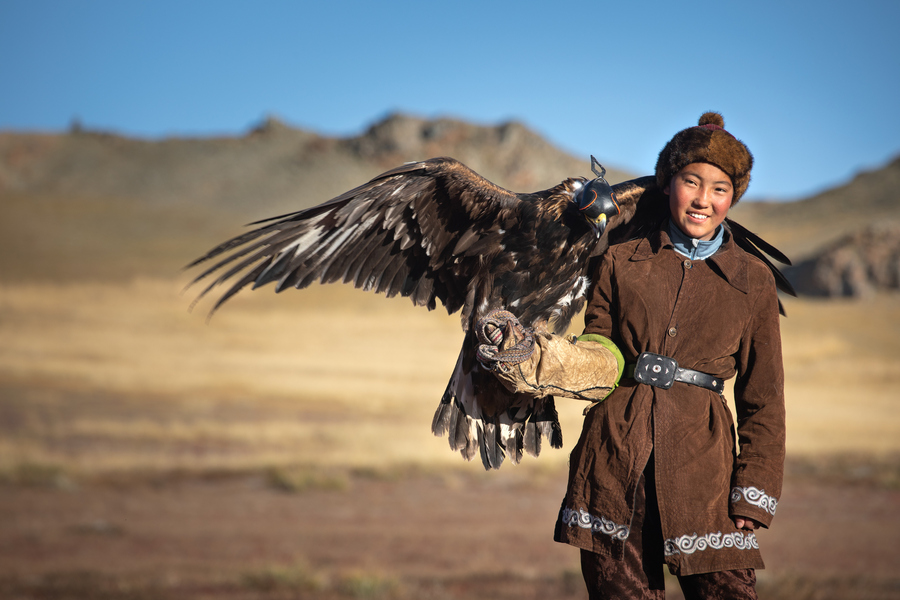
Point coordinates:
[(436, 230)]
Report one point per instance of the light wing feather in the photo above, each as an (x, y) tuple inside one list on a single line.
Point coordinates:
[(422, 230)]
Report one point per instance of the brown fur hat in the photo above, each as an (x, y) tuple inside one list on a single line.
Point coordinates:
[(708, 142)]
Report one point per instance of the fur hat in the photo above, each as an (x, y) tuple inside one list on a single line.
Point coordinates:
[(708, 142)]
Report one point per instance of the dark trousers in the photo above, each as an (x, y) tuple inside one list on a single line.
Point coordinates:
[(640, 574)]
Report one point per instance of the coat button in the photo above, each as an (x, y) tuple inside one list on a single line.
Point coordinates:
[(673, 331), (687, 264)]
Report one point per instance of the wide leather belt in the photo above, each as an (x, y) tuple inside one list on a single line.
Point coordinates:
[(662, 372)]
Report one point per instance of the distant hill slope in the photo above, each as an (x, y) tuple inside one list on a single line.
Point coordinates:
[(844, 241), (87, 204), (805, 227), (274, 165), (94, 205), (857, 265)]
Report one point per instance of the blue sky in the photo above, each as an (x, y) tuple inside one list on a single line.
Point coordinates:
[(813, 88)]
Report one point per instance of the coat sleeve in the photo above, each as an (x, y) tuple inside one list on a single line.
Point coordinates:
[(759, 402), (598, 316)]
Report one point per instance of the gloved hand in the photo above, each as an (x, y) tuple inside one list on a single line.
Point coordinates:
[(542, 364), (503, 341)]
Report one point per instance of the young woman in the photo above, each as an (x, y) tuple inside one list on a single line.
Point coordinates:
[(658, 477)]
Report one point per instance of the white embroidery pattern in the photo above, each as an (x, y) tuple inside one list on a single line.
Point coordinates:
[(585, 520), (756, 497), (688, 544)]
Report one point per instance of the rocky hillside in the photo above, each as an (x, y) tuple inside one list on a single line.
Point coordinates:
[(272, 166), (95, 205), (806, 227), (844, 241), (857, 265)]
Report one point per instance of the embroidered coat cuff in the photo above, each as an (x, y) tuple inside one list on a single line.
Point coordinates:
[(754, 503)]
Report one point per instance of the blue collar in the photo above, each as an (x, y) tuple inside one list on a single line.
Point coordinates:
[(693, 248)]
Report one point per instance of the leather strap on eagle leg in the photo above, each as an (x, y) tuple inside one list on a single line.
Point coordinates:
[(503, 341)]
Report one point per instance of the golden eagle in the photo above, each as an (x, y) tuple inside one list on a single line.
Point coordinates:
[(436, 230)]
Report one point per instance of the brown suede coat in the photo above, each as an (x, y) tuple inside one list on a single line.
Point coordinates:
[(719, 316)]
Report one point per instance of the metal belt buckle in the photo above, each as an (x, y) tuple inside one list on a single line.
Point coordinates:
[(656, 370)]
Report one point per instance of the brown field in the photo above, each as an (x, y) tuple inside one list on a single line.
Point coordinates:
[(283, 450)]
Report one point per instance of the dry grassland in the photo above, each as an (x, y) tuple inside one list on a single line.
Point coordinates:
[(283, 449), (148, 453), (335, 378), (842, 362), (104, 378)]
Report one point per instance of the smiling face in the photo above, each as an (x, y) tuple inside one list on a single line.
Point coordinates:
[(699, 198)]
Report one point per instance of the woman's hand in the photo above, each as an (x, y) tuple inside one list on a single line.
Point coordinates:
[(746, 523)]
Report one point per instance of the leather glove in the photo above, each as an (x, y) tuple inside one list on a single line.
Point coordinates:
[(542, 364)]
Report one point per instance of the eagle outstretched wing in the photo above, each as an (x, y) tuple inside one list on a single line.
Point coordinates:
[(436, 230), (431, 230)]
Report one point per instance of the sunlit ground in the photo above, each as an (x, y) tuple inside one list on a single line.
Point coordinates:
[(333, 376), (325, 393)]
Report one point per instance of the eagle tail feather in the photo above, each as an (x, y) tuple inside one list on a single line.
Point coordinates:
[(512, 432), (472, 438), (547, 422), (513, 441), (492, 453), (532, 438), (445, 417), (460, 429)]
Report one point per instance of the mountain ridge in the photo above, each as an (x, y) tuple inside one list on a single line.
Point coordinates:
[(273, 161), (98, 205)]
